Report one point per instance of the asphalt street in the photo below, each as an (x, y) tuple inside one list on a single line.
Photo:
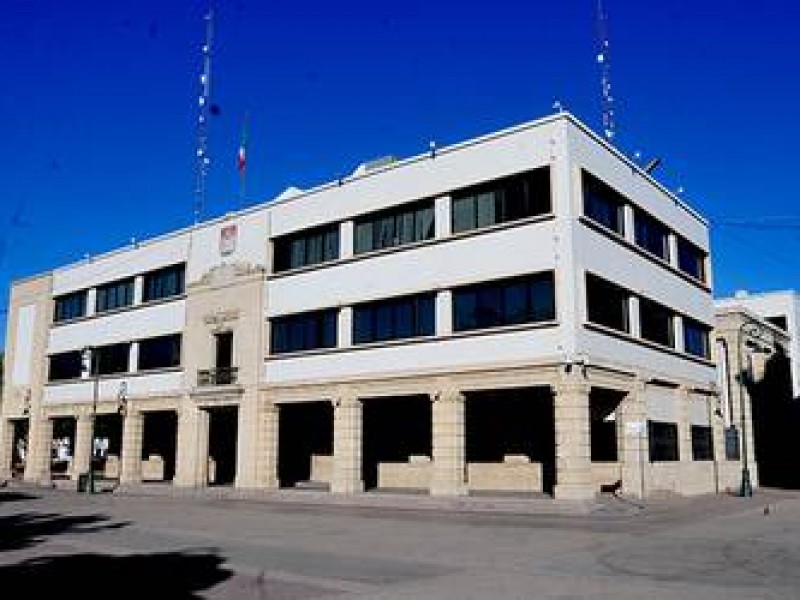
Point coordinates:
[(297, 546)]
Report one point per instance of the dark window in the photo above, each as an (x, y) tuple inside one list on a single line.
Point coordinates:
[(71, 306), (394, 319), (527, 299), (732, 443), (111, 359), (224, 350), (691, 260), (702, 443), (67, 365), (606, 303), (663, 441), (305, 331), (695, 338), (164, 283), (779, 321), (395, 227), (656, 322), (114, 295), (160, 353), (306, 248), (603, 204), (652, 235), (502, 200)]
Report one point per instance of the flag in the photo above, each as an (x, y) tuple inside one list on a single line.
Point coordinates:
[(241, 158)]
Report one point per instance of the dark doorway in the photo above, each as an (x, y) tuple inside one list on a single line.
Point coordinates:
[(305, 443), (603, 424), (19, 452), (394, 429), (222, 437), (159, 444), (62, 446), (107, 445)]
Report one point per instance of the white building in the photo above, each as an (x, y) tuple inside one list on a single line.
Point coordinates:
[(528, 310)]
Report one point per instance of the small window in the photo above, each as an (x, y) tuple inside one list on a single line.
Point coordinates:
[(691, 260), (603, 204), (528, 299), (607, 303), (663, 439), (702, 443), (114, 295), (160, 352), (164, 283), (70, 306), (502, 200), (66, 365), (306, 331), (652, 235), (656, 322), (394, 319), (695, 338), (306, 248), (111, 359), (779, 322), (395, 227)]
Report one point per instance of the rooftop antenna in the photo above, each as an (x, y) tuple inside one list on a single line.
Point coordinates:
[(604, 61), (204, 105)]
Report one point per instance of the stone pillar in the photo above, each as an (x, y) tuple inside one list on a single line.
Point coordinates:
[(40, 441), (267, 446), (191, 469), (717, 422), (81, 460), (633, 441), (449, 449), (682, 400), (444, 313), (573, 445), (347, 439), (247, 430), (6, 448), (132, 442)]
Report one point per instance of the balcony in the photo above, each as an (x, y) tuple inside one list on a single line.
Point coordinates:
[(217, 376)]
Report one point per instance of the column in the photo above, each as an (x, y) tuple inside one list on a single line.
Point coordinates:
[(267, 448), (680, 345), (132, 442), (629, 220), (573, 445), (444, 313), (635, 316), (91, 302), (40, 440), (442, 211), (717, 422), (81, 461), (191, 469), (684, 426), (347, 440), (346, 239), (133, 358), (344, 324), (672, 240), (247, 431), (449, 449), (6, 448), (138, 289), (633, 441)]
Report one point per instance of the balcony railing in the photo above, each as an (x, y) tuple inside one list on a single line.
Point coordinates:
[(217, 376)]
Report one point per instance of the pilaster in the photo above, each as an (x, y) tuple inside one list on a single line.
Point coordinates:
[(191, 469), (81, 461), (347, 443), (449, 451), (573, 446), (37, 465), (267, 445), (6, 448), (246, 440), (132, 441), (684, 426), (633, 441)]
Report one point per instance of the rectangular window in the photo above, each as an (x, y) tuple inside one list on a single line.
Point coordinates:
[(607, 304), (394, 319), (780, 322), (502, 200), (160, 352), (603, 204), (691, 260), (306, 331), (114, 295), (306, 248), (67, 365), (702, 443), (164, 283), (651, 234), (70, 306), (663, 439), (695, 338), (528, 299), (656, 322), (395, 227), (111, 359)]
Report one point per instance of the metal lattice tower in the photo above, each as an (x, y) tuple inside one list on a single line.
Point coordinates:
[(604, 61), (202, 158)]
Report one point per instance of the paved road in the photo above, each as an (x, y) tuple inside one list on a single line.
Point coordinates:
[(153, 546)]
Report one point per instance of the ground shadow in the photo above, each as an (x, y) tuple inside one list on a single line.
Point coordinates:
[(15, 497), (166, 575), (23, 530)]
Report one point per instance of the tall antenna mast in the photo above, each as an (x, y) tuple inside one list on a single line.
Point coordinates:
[(204, 106), (604, 60)]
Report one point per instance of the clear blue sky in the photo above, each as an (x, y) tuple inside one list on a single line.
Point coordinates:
[(99, 106)]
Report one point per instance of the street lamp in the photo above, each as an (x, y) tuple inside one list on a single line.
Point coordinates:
[(89, 356)]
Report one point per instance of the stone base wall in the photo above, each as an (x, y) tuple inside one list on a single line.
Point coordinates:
[(414, 474), (321, 468), (515, 474)]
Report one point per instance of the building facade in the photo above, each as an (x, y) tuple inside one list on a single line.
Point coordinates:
[(526, 311)]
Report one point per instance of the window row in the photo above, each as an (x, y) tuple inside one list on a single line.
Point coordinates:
[(156, 285), (519, 300), (609, 305), (663, 442), (498, 201), (606, 206), (153, 353)]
